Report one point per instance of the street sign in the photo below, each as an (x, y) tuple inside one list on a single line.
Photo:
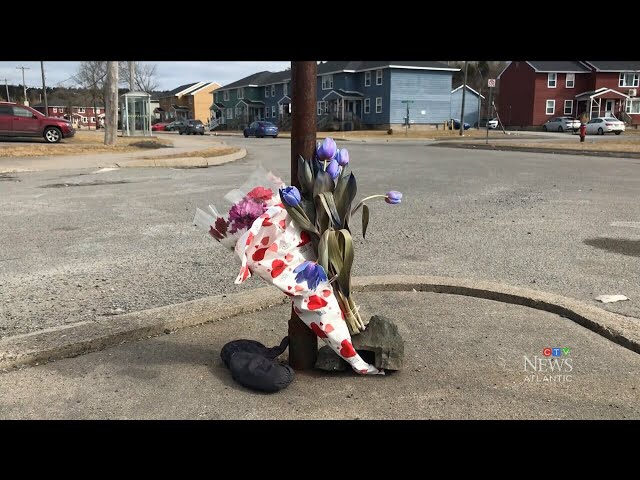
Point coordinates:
[(492, 82)]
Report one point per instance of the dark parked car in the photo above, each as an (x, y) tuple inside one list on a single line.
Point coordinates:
[(456, 124), (174, 125), (261, 129), (22, 121), (192, 127)]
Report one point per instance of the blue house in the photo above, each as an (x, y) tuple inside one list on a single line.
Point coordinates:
[(350, 95), (472, 105)]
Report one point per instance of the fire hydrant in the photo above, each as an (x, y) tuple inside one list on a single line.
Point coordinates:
[(583, 131)]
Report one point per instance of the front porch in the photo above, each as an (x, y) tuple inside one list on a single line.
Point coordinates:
[(603, 102), (341, 110)]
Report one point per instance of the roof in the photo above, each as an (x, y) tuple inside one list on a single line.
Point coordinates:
[(212, 85), (608, 92), (615, 66), (563, 66), (342, 93), (180, 107), (269, 78), (250, 103), (181, 89), (468, 88)]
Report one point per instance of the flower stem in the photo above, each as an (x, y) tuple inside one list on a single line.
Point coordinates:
[(363, 200)]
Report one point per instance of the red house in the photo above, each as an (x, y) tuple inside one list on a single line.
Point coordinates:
[(531, 92), (81, 117)]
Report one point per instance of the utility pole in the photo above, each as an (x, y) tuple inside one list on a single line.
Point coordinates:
[(44, 90), (132, 76), (303, 343), (464, 91), (111, 104), (24, 85), (6, 86), (406, 120)]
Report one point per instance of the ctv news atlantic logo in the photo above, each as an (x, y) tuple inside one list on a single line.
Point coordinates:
[(554, 366)]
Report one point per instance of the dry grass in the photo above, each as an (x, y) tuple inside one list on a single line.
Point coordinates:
[(83, 143), (206, 153)]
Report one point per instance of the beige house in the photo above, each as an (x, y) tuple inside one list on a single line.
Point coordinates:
[(187, 101)]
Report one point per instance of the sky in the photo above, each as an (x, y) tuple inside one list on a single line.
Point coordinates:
[(170, 74)]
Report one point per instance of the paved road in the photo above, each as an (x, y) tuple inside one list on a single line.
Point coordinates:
[(78, 245), (464, 359)]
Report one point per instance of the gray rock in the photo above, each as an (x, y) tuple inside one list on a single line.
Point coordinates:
[(382, 339), (330, 361)]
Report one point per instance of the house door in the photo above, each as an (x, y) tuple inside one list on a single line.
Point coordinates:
[(608, 110)]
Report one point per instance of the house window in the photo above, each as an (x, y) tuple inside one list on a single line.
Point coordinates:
[(320, 106), (273, 90), (84, 119), (367, 79), (367, 105), (93, 120), (61, 110), (378, 104), (273, 109), (628, 80), (551, 107), (285, 89), (633, 105), (225, 95), (80, 110), (240, 93), (55, 110), (378, 77), (266, 112), (571, 80), (568, 107), (327, 82), (97, 111), (266, 92), (551, 80), (229, 113), (215, 97)]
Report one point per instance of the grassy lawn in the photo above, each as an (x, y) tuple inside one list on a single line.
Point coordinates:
[(82, 143), (630, 145)]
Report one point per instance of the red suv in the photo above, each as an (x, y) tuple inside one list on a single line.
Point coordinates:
[(22, 121)]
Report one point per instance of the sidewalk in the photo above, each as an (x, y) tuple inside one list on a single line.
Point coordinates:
[(464, 359)]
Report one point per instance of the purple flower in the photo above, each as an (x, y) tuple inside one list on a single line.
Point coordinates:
[(327, 150), (343, 157), (393, 197), (333, 169), (310, 272), (244, 213), (290, 196)]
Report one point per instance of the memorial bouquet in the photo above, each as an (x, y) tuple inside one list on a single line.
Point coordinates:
[(300, 241)]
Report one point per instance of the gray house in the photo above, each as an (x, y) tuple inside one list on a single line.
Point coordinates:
[(472, 105), (350, 95)]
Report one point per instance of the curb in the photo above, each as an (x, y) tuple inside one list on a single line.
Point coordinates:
[(561, 151), (183, 162), (84, 337)]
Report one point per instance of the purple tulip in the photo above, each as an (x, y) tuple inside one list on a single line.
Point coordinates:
[(319, 151), (333, 169), (343, 157), (327, 150), (310, 272), (290, 196), (393, 197)]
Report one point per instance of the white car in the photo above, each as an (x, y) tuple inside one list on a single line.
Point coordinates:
[(602, 125), (561, 124)]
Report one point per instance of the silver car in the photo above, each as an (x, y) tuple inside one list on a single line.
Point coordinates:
[(561, 124)]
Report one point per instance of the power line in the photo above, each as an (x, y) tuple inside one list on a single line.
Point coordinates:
[(24, 86)]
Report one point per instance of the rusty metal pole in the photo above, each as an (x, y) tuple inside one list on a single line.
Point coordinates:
[(303, 343)]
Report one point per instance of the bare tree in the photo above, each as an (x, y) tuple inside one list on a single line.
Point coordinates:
[(111, 104), (146, 76)]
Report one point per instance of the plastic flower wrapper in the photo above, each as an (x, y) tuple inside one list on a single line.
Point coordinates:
[(271, 245), (248, 202)]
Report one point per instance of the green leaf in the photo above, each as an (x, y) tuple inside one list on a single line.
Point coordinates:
[(331, 203), (323, 250), (323, 183), (309, 209), (301, 179), (308, 176), (323, 217), (300, 219), (365, 219), (335, 254), (345, 243), (344, 194)]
